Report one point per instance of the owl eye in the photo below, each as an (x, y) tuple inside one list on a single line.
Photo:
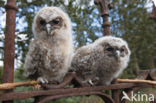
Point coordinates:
[(42, 22), (110, 49), (121, 50), (56, 21)]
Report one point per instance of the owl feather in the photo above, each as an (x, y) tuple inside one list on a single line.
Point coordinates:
[(102, 61), (50, 53)]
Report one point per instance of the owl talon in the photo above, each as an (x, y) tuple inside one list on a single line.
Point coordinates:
[(42, 80), (90, 82)]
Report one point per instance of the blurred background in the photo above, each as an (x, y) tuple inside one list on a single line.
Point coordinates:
[(130, 20)]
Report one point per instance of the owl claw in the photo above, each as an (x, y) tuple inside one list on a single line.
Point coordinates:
[(42, 80), (90, 82)]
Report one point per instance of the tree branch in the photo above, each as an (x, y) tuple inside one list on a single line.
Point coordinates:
[(136, 81), (6, 86)]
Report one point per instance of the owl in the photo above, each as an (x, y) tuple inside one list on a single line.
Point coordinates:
[(50, 53), (102, 61)]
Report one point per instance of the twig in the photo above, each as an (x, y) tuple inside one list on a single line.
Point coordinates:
[(136, 81), (6, 86)]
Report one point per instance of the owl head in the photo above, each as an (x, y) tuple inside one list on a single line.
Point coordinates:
[(49, 21), (114, 48)]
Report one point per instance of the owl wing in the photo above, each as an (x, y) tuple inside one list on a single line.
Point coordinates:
[(81, 62), (86, 62), (79, 58), (34, 60)]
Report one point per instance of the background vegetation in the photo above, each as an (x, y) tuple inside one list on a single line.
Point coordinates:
[(129, 19)]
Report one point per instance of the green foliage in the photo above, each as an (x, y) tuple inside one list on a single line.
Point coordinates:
[(19, 76), (67, 100), (30, 100), (91, 99), (130, 20)]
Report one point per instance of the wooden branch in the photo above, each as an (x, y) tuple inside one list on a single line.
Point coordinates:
[(136, 81), (6, 86)]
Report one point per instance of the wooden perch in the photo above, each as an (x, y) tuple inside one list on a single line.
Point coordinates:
[(136, 81), (6, 86)]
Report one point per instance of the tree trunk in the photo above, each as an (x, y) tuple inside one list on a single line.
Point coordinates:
[(136, 64), (152, 65)]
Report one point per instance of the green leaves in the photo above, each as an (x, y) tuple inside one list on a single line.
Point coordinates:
[(130, 20)]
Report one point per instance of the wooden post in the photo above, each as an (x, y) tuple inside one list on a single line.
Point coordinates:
[(104, 6), (8, 71), (153, 15)]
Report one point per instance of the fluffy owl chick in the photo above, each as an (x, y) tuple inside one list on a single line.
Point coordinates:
[(50, 53), (102, 61)]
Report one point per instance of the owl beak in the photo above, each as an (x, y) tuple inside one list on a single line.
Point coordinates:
[(48, 28), (117, 53)]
